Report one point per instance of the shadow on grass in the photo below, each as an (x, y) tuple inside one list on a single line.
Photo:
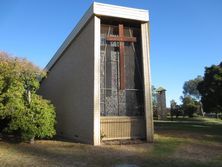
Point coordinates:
[(208, 131), (12, 139)]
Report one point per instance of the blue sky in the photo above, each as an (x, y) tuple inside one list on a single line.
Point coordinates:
[(186, 35)]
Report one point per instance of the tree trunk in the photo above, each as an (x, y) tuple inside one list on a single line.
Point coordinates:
[(217, 115), (201, 109)]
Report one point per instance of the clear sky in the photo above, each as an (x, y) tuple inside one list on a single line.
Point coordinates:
[(186, 35)]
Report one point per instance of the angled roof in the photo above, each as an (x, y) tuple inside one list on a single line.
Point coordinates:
[(99, 9), (160, 89)]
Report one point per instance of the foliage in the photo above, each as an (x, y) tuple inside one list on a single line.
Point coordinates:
[(175, 109), (189, 106), (25, 111), (173, 104), (190, 87), (211, 89), (154, 100)]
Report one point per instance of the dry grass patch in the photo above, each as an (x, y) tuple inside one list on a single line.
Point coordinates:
[(200, 152), (175, 145)]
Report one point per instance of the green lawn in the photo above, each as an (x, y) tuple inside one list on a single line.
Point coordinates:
[(192, 143)]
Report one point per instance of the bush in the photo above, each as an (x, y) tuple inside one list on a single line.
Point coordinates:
[(190, 109), (189, 106), (21, 109)]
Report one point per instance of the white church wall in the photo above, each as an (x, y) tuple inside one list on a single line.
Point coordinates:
[(147, 81), (69, 85)]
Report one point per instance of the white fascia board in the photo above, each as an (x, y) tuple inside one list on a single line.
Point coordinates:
[(99, 9)]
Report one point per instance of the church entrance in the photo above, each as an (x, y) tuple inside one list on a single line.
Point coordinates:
[(121, 82)]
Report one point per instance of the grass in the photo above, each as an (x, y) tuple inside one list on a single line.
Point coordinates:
[(196, 143)]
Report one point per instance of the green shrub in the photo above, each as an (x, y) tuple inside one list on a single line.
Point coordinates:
[(24, 112)]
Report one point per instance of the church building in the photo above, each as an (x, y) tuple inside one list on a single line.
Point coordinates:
[(99, 79)]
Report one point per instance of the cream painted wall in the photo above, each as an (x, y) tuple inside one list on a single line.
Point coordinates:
[(70, 87), (147, 81)]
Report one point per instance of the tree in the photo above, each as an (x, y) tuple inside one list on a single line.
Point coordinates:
[(190, 87), (173, 105), (190, 106), (154, 100), (211, 89), (23, 111), (175, 109)]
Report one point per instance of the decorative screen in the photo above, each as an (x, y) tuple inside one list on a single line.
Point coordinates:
[(130, 100)]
